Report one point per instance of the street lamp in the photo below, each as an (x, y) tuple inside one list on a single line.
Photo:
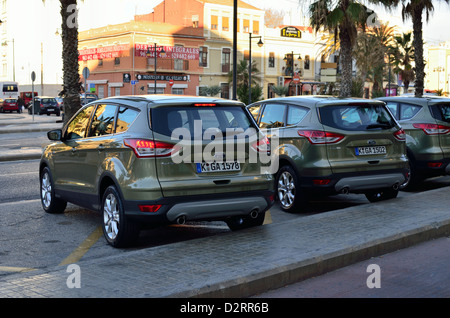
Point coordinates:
[(149, 54), (438, 70), (260, 44), (14, 58)]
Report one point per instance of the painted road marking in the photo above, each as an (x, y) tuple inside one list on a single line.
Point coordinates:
[(16, 269), (82, 249)]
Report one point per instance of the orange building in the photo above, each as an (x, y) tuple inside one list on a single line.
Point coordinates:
[(121, 58)]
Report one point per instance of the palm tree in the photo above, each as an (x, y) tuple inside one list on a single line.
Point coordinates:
[(242, 81), (71, 77), (402, 58), (343, 18)]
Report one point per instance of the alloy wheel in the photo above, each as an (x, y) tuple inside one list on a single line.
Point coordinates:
[(46, 190), (111, 216), (286, 189)]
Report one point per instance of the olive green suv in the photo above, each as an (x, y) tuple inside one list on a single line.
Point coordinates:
[(328, 145), (426, 122), (158, 160)]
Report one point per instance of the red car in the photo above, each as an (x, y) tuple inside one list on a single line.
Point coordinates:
[(10, 104)]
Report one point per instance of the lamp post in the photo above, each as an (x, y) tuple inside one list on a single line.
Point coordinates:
[(260, 44), (438, 69), (149, 54), (292, 63), (14, 58)]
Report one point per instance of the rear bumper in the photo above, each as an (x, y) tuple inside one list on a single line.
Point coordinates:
[(201, 207), (433, 168), (355, 182)]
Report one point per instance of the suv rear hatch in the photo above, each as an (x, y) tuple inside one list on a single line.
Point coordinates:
[(211, 149), (440, 110), (362, 137)]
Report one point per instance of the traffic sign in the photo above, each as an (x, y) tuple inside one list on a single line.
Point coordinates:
[(133, 82), (296, 79), (171, 82)]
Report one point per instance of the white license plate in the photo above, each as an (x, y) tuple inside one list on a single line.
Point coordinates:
[(218, 166), (366, 151), (50, 110)]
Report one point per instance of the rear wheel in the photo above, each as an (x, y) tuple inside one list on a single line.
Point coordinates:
[(381, 195), (50, 203), (288, 190), (118, 230), (243, 222)]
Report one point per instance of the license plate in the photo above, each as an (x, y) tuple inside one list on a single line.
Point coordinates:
[(218, 166), (366, 151), (50, 110)]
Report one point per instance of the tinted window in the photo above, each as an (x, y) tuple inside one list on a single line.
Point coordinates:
[(103, 120), (77, 127), (166, 119), (393, 107), (296, 114), (273, 116), (408, 111), (125, 118), (356, 117), (441, 112)]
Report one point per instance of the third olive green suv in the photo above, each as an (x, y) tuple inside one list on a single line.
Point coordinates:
[(328, 145), (426, 122), (159, 159)]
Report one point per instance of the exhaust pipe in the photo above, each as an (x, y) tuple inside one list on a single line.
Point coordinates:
[(396, 186), (181, 220), (254, 214), (345, 190)]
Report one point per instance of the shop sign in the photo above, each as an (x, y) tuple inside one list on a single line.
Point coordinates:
[(104, 52), (291, 32), (171, 52)]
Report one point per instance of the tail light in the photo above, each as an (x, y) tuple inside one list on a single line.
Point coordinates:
[(320, 137), (42, 105), (400, 135), (433, 129), (149, 148), (262, 145), (150, 208)]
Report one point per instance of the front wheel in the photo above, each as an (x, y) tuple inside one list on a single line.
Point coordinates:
[(118, 230), (50, 203), (381, 195)]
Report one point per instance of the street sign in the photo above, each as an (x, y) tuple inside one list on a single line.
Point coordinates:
[(86, 72), (33, 76), (133, 82), (126, 77), (171, 82), (296, 79)]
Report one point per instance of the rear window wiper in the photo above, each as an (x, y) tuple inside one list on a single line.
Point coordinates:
[(384, 126)]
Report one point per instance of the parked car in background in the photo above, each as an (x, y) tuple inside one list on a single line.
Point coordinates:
[(10, 105), (88, 98), (60, 102), (27, 97), (329, 146), (45, 105), (426, 122), (116, 156)]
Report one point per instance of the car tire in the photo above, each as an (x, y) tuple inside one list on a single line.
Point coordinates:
[(288, 190), (118, 230), (242, 222), (50, 203), (381, 195)]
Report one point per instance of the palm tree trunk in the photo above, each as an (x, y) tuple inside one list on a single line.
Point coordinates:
[(346, 63), (71, 76), (418, 50)]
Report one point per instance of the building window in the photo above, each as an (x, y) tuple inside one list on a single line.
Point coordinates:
[(306, 63), (225, 90), (246, 26), (203, 57), (178, 64), (178, 91), (255, 27), (151, 90), (225, 24), (226, 60), (214, 22), (100, 62), (117, 61), (195, 21), (271, 59)]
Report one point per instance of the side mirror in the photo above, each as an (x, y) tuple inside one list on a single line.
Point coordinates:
[(55, 135)]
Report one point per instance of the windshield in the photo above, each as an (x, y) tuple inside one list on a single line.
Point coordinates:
[(357, 117)]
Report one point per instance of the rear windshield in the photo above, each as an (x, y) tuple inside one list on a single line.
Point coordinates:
[(10, 100), (357, 117), (166, 119), (50, 101), (441, 112)]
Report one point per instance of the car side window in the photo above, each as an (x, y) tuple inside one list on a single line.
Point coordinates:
[(103, 120), (393, 107), (254, 110), (296, 114), (125, 118), (78, 126), (407, 111), (273, 116)]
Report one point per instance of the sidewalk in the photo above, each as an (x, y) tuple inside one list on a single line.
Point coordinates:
[(13, 123), (248, 262)]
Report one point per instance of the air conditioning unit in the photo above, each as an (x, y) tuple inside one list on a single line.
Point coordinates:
[(280, 81)]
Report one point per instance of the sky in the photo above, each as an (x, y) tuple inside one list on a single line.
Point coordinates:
[(435, 31)]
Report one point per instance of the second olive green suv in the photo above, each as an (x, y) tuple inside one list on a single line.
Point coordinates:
[(328, 145), (426, 122), (158, 159)]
